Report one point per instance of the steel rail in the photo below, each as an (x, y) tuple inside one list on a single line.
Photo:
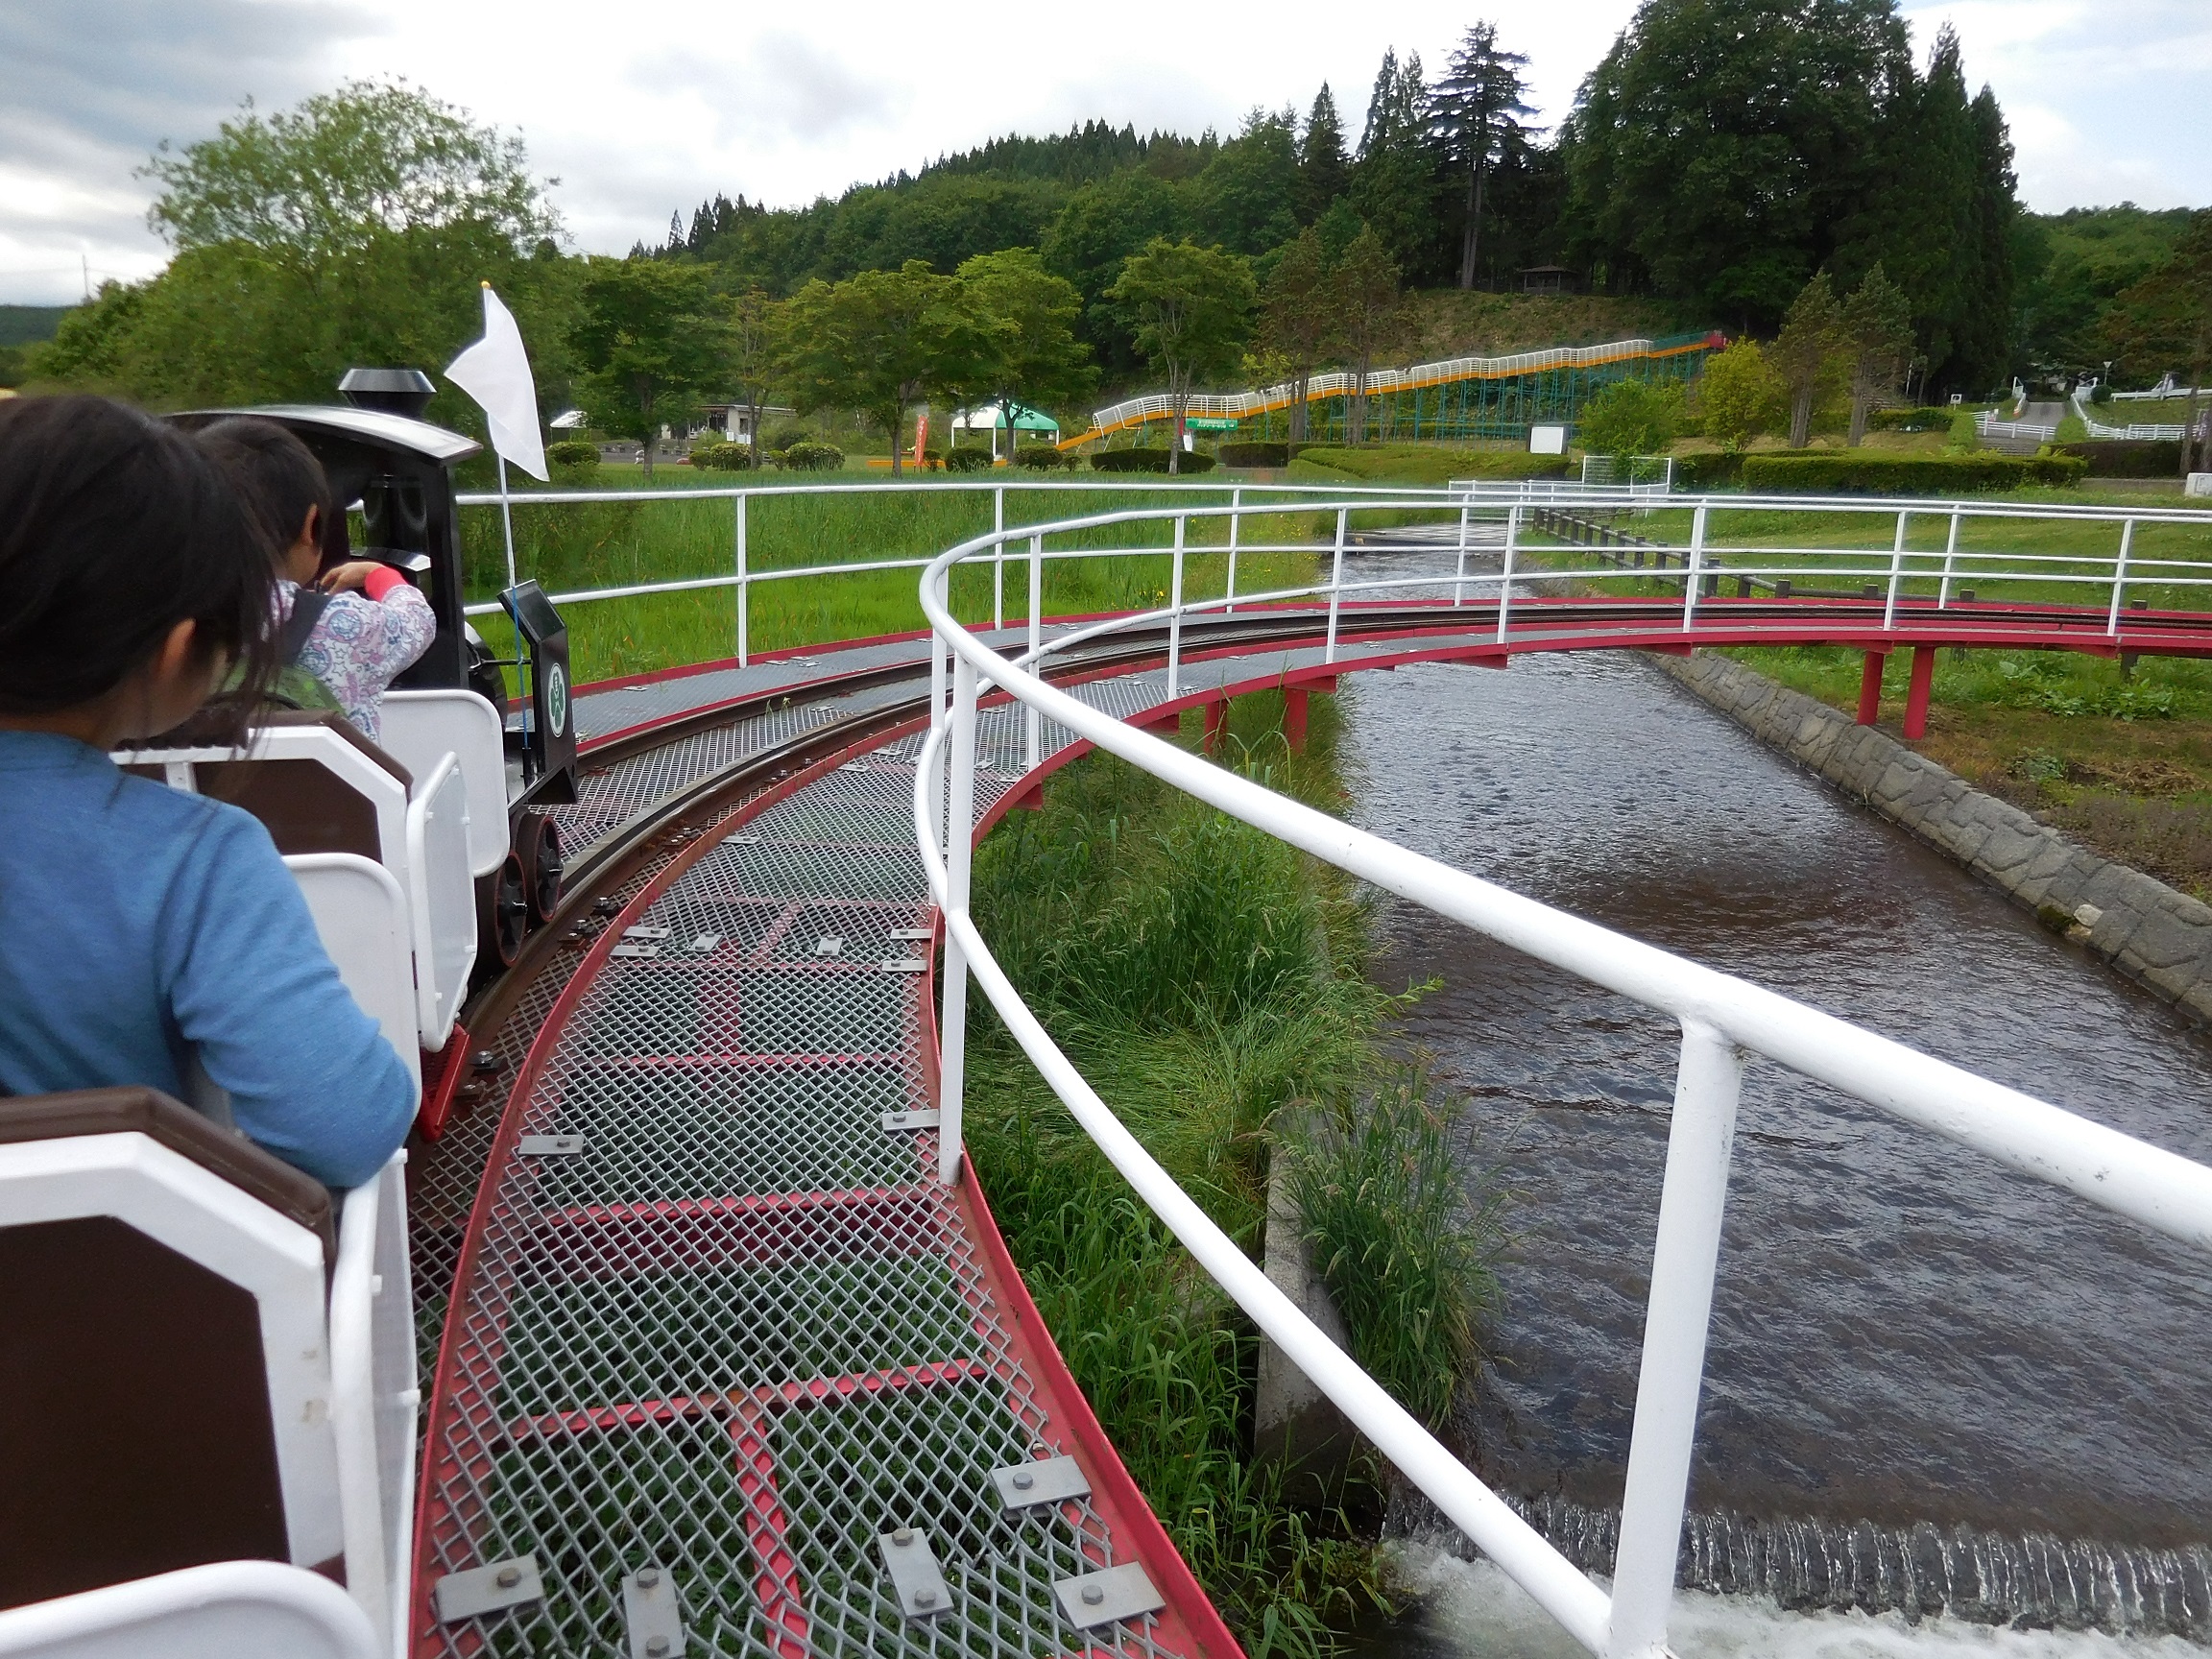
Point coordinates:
[(1722, 1019)]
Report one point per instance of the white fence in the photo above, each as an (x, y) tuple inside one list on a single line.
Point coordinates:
[(1988, 425), (2152, 431), (1725, 1023)]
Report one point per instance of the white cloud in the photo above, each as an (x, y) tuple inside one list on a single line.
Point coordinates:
[(641, 113)]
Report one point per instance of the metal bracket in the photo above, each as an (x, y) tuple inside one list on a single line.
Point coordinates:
[(925, 1119), (914, 936), (1047, 1480), (740, 839), (829, 945), (902, 965), (704, 943), (486, 1589), (852, 766), (635, 951), (922, 1590), (653, 1614), (549, 1146), (651, 935), (1100, 1597)]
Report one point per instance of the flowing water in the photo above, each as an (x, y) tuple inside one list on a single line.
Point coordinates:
[(1939, 1395)]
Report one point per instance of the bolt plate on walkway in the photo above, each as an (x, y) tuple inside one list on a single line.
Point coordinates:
[(925, 1119), (652, 1616), (915, 1577), (491, 1588), (1047, 1480), (549, 1146), (1107, 1595)]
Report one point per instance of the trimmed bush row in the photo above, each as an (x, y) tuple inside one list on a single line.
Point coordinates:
[(1147, 461), (1922, 419), (1254, 455), (1833, 473), (2129, 458), (572, 453), (1042, 457)]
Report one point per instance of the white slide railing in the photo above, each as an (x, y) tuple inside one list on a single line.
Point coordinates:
[(1725, 1021)]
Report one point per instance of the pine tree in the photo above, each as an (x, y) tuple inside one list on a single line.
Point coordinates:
[(1393, 182), (1324, 169), (1477, 110), (1804, 354), (1874, 335)]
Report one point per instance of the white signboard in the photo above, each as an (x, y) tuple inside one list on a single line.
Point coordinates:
[(1547, 440)]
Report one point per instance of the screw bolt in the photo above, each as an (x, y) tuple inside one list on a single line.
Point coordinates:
[(902, 1536), (925, 1597), (1025, 1481), (648, 1577), (1093, 1594), (507, 1578)]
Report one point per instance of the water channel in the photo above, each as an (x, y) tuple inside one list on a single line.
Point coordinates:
[(1946, 1408)]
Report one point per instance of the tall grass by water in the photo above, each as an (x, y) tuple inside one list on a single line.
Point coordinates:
[(1209, 982)]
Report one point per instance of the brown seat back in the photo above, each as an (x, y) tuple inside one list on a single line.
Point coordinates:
[(135, 1418), (304, 807)]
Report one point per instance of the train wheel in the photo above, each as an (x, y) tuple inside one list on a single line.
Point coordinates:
[(502, 913), (538, 845)]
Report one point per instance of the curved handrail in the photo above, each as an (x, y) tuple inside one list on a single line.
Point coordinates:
[(1722, 1019)]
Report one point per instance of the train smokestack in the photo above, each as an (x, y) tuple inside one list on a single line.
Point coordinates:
[(395, 391)]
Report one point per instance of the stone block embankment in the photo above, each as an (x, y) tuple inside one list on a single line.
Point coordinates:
[(2154, 935)]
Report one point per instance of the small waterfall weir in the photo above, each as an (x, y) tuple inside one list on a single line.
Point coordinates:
[(2032, 1583)]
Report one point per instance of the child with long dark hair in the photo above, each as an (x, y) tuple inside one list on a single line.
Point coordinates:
[(365, 621), (148, 935)]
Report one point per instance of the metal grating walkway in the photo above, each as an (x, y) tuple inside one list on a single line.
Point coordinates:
[(741, 1331)]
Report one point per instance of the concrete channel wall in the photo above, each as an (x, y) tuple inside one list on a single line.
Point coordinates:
[(2158, 937)]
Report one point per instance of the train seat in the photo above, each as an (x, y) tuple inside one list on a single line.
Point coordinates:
[(199, 1363), (324, 792), (422, 727)]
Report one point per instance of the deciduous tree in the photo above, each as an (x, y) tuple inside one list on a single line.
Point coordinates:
[(1190, 308), (1298, 316), (1738, 395), (754, 344), (1631, 418), (1368, 316), (647, 344), (1033, 357)]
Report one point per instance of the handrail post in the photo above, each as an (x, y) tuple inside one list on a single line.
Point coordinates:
[(1175, 614), (1036, 721), (998, 549), (2119, 577), (1684, 1259), (1459, 571), (1950, 553), (1337, 584), (959, 847), (1235, 520), (1696, 569), (1505, 568), (1896, 571), (939, 652), (744, 585)]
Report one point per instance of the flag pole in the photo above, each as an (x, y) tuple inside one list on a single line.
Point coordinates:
[(507, 521)]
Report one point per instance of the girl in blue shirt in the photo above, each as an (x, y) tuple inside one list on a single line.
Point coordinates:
[(146, 934)]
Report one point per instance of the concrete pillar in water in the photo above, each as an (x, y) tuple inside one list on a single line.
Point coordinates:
[(1870, 689), (1916, 694)]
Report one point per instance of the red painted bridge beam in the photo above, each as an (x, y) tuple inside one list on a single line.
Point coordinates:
[(1916, 696)]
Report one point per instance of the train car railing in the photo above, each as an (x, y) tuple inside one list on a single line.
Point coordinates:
[(1725, 1021)]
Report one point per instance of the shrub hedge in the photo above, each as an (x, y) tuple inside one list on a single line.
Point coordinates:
[(1254, 454), (572, 453), (968, 460), (2129, 458), (812, 458), (724, 457), (1042, 457), (1859, 471), (1710, 469), (1147, 461)]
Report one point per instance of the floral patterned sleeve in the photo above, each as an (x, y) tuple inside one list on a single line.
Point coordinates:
[(359, 645)]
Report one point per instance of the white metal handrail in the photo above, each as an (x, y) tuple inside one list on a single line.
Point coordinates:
[(1723, 1018)]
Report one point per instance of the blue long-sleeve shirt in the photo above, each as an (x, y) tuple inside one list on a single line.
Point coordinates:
[(143, 929)]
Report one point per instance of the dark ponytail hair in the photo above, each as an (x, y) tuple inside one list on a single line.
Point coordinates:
[(113, 529), (276, 474)]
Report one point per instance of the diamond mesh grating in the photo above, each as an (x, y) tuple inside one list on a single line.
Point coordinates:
[(744, 1330)]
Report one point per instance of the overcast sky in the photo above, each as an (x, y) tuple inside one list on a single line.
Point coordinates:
[(641, 110)]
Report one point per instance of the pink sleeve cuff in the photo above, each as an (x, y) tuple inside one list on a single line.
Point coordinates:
[(381, 580)]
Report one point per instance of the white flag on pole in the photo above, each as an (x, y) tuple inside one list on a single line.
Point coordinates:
[(496, 371)]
